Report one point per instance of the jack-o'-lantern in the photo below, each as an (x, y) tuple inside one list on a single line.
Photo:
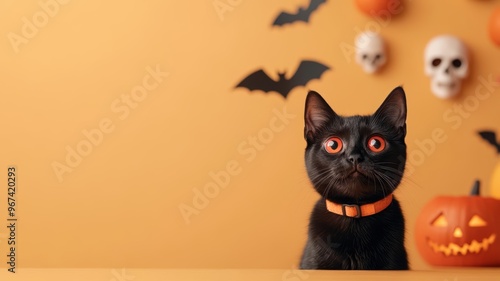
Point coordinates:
[(460, 231)]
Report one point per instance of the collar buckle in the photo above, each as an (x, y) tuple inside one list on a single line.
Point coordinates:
[(358, 210)]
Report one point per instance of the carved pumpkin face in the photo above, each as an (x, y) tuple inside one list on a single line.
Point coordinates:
[(460, 231)]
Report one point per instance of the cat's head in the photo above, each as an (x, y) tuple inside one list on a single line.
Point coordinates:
[(355, 159)]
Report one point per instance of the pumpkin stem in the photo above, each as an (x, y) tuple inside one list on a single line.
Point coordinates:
[(475, 188)]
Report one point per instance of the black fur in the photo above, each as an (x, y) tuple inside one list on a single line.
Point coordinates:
[(339, 242)]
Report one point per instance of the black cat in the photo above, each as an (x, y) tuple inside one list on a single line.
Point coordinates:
[(355, 163)]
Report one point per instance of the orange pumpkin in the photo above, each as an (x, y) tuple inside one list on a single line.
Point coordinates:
[(460, 231), (379, 7), (495, 182), (494, 26), (491, 138)]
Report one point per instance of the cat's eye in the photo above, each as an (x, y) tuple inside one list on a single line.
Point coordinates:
[(333, 145), (376, 144)]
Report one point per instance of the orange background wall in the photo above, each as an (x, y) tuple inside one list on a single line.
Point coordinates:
[(119, 205)]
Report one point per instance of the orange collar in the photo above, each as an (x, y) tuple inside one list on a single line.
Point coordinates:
[(357, 211)]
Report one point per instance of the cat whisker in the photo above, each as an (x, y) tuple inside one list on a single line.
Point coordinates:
[(321, 176), (330, 185), (378, 180), (388, 180), (404, 178), (381, 181), (325, 179)]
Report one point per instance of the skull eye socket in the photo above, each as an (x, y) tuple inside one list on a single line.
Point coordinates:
[(365, 56), (477, 221), (436, 62), (440, 221), (456, 63)]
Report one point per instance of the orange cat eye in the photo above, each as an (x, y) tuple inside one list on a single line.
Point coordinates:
[(333, 145), (376, 144)]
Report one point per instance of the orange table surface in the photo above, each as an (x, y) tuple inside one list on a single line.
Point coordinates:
[(120, 274)]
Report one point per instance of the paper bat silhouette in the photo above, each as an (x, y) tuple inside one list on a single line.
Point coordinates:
[(491, 138), (307, 71), (302, 14)]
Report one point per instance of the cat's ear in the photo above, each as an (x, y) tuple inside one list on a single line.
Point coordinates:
[(316, 114), (393, 109)]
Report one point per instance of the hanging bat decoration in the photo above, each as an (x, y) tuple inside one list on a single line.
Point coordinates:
[(491, 138), (307, 71), (303, 14)]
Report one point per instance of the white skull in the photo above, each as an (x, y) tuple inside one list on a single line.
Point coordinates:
[(370, 51), (446, 63)]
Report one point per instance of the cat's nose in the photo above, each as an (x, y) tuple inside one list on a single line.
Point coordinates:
[(355, 158)]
